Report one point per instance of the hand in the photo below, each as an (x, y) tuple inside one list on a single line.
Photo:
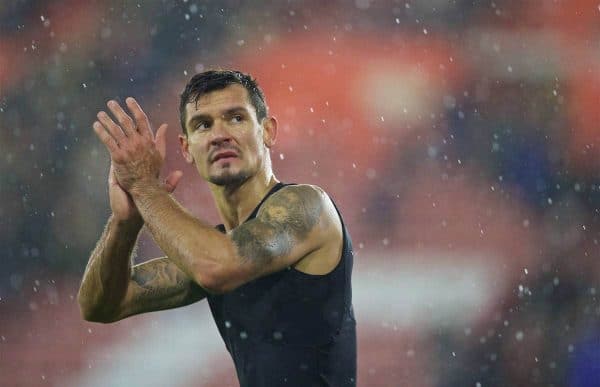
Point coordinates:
[(136, 154), (125, 143), (121, 203)]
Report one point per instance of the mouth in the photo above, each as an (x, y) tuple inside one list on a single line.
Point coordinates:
[(225, 155)]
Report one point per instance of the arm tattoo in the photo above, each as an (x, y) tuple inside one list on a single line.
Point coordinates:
[(160, 283), (286, 218)]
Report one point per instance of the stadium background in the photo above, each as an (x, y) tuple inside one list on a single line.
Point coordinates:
[(459, 138)]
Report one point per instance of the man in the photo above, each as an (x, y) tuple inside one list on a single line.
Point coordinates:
[(276, 273)]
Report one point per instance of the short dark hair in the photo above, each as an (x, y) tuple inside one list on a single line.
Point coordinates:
[(211, 80)]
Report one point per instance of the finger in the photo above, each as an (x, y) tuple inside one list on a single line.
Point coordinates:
[(125, 121), (161, 140), (141, 119), (172, 180), (106, 138), (115, 130)]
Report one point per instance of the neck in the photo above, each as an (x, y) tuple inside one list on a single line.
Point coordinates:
[(236, 203)]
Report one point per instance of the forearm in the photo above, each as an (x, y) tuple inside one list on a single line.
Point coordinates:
[(198, 249), (108, 271)]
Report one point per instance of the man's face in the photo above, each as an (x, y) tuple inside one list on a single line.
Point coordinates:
[(224, 139)]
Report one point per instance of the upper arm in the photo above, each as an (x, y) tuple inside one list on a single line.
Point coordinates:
[(158, 284), (292, 223)]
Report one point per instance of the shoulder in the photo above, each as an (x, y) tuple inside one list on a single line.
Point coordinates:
[(297, 197), (305, 205)]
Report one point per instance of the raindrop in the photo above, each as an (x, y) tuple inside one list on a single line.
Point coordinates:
[(519, 335)]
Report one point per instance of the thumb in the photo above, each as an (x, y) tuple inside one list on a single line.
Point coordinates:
[(111, 174), (161, 140), (172, 180)]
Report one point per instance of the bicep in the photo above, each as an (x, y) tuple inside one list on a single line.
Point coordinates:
[(158, 284), (291, 223)]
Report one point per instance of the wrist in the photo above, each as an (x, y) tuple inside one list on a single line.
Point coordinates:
[(144, 187), (133, 224)]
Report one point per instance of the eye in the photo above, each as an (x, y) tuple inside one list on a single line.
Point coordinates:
[(237, 118), (201, 125)]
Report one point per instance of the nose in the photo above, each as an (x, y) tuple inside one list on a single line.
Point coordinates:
[(219, 133)]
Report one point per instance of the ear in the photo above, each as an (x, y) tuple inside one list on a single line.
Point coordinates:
[(185, 145), (269, 131)]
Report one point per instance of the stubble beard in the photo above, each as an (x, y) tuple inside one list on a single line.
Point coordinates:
[(228, 179)]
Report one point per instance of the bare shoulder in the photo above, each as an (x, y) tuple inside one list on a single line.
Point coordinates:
[(303, 207), (302, 199)]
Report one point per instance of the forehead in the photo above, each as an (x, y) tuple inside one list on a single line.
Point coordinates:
[(217, 101)]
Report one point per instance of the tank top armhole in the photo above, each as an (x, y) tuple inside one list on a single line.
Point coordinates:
[(346, 249)]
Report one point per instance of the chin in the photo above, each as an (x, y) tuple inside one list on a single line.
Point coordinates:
[(229, 179)]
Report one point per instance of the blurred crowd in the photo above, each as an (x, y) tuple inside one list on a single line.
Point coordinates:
[(462, 134)]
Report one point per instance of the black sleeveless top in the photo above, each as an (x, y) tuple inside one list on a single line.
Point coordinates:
[(290, 328)]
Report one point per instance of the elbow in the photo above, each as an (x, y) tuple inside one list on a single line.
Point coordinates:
[(93, 314), (221, 275), (216, 282)]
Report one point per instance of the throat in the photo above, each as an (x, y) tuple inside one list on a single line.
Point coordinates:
[(236, 206)]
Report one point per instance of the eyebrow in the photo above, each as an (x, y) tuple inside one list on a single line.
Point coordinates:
[(235, 109), (205, 117)]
